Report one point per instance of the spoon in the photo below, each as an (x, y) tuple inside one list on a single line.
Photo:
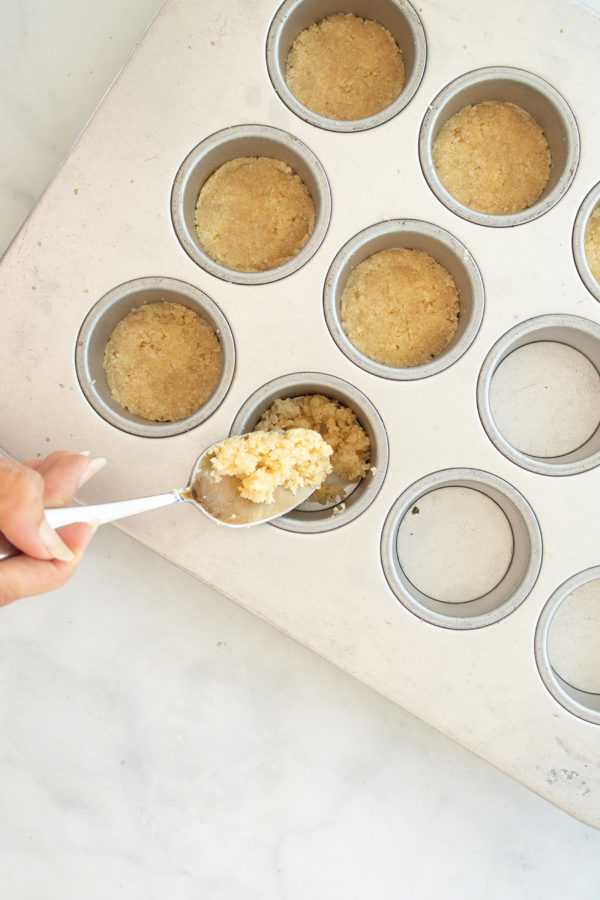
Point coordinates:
[(219, 500)]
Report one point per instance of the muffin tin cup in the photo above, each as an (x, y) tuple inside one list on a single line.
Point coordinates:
[(516, 583), (231, 143), (580, 334), (535, 96), (414, 235), (97, 328), (312, 518), (581, 703), (586, 209), (398, 16)]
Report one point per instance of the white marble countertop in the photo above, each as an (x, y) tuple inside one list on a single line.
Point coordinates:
[(156, 740)]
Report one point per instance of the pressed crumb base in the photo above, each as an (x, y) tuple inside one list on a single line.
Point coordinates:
[(337, 425), (254, 214), (163, 361), (592, 243), (400, 307), (345, 67), (263, 461), (493, 157)]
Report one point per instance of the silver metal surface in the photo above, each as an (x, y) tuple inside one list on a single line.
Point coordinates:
[(516, 584), (586, 209), (98, 326), (414, 235), (580, 334), (312, 518), (542, 101), (106, 221), (581, 703), (231, 143), (398, 16)]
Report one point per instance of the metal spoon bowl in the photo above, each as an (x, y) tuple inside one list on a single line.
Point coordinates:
[(219, 500)]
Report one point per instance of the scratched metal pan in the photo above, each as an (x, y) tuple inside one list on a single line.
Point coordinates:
[(208, 81)]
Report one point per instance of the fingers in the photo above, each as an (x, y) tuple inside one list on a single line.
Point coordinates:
[(23, 576), (49, 557), (22, 513), (64, 473)]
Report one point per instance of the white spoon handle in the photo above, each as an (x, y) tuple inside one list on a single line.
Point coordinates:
[(99, 514), (102, 513)]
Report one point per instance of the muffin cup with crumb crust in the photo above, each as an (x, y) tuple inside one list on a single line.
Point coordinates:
[(235, 143), (445, 249), (532, 94), (589, 207), (397, 16), (97, 328), (311, 517)]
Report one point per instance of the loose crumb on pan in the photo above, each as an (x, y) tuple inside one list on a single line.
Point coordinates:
[(337, 425), (592, 243), (263, 461), (493, 157), (345, 67), (400, 307), (253, 214), (163, 361)]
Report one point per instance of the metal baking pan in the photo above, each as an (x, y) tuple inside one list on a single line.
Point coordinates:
[(116, 220)]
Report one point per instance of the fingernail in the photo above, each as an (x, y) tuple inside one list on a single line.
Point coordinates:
[(82, 453), (54, 544), (94, 466)]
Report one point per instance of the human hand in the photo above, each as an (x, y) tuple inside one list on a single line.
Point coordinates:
[(48, 558)]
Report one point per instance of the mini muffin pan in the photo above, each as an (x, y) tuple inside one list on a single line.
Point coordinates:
[(502, 528)]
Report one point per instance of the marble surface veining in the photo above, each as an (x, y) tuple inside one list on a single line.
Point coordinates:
[(157, 741)]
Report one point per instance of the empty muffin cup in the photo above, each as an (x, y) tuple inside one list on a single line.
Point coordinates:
[(312, 517), (532, 94), (398, 16), (100, 323), (461, 548), (235, 143), (445, 249), (587, 259), (567, 644), (538, 395)]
